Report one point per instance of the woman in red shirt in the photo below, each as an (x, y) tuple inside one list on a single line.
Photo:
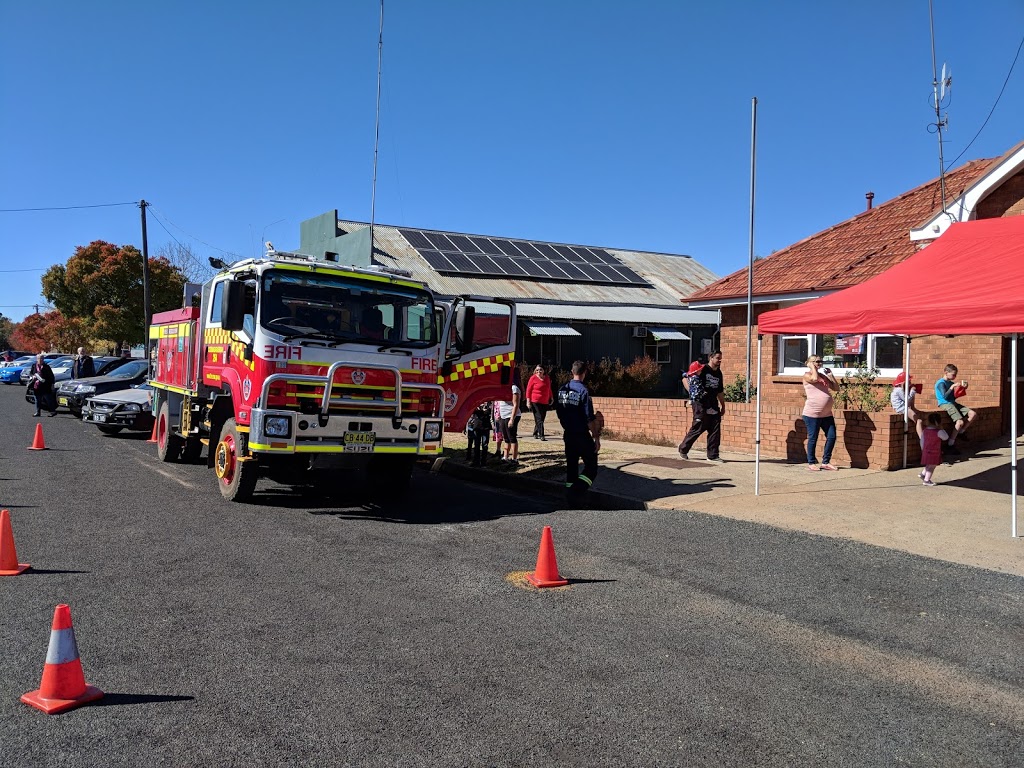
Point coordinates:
[(538, 399)]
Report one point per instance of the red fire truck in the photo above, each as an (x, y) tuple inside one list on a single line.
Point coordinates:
[(292, 368)]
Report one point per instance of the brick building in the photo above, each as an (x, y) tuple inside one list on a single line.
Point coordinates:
[(852, 252)]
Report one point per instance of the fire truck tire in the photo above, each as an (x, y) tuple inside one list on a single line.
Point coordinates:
[(236, 477), (168, 444), (193, 449)]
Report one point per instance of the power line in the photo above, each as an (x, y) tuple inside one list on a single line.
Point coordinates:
[(193, 237), (63, 207), (1012, 65), (41, 269)]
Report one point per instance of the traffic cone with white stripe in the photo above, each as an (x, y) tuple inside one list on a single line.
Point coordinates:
[(546, 573), (63, 686), (9, 565)]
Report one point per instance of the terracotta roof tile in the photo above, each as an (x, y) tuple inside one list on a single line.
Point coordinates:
[(849, 252)]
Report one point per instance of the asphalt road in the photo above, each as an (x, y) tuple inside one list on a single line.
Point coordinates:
[(295, 632)]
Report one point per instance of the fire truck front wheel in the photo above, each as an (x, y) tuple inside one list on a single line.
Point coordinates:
[(236, 475), (168, 444)]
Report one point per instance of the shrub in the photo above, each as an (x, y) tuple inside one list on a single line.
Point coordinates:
[(736, 392), (858, 393)]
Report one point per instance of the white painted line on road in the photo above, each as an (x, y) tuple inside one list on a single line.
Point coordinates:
[(168, 475)]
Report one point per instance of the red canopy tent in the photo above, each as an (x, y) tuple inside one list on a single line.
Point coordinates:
[(970, 281)]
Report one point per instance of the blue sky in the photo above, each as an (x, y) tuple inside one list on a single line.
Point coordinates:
[(598, 122)]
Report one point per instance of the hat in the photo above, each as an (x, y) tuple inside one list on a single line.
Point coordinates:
[(900, 378), (695, 367)]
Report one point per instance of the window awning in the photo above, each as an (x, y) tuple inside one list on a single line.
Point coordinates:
[(668, 334), (549, 329)]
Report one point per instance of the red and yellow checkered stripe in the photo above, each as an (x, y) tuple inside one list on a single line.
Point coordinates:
[(478, 367), (219, 342)]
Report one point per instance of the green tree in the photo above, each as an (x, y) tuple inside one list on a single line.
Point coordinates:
[(102, 284), (6, 329)]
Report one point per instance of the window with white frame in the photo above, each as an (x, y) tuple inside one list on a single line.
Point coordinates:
[(843, 353), (658, 351)]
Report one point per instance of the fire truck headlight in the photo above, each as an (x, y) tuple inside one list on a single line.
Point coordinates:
[(432, 431), (277, 426)]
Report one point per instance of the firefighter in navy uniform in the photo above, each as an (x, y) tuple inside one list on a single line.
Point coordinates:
[(581, 433)]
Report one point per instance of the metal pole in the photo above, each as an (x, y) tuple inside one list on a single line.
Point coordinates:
[(145, 279), (376, 130), (906, 402), (1013, 435), (757, 427), (750, 256)]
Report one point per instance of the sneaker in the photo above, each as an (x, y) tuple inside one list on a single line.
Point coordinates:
[(927, 482), (716, 460), (684, 455), (51, 414), (921, 475), (37, 413)]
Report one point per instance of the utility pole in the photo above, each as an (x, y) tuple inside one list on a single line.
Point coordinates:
[(145, 279)]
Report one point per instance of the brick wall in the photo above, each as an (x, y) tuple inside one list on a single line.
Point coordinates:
[(864, 440), (979, 358), (1006, 200)]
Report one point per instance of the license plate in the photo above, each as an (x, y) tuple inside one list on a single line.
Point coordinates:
[(359, 442), (100, 418), (62, 400)]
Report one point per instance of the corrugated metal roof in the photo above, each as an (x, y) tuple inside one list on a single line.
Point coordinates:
[(538, 328), (622, 313), (671, 277), (668, 334)]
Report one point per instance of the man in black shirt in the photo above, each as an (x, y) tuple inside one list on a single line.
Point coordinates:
[(581, 433), (708, 408)]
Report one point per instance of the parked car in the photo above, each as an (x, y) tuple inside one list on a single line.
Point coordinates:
[(73, 394), (26, 372), (61, 368), (130, 408), (17, 356), (11, 373)]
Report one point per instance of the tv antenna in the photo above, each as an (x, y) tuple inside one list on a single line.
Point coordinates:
[(376, 130), (940, 90)]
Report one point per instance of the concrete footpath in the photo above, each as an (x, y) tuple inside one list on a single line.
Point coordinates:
[(965, 518)]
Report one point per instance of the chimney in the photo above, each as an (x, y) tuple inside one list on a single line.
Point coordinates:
[(870, 196)]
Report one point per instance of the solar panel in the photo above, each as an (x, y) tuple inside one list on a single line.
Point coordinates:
[(464, 244), (416, 239), (457, 254)]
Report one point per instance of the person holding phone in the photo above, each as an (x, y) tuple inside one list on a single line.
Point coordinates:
[(819, 384)]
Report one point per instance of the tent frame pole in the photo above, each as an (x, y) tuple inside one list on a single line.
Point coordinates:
[(906, 401), (1013, 435)]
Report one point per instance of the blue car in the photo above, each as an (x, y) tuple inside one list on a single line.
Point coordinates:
[(11, 372)]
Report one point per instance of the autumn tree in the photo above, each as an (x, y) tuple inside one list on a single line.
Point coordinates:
[(102, 284), (31, 334), (6, 329)]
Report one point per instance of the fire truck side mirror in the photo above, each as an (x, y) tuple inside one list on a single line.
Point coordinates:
[(465, 326), (232, 310)]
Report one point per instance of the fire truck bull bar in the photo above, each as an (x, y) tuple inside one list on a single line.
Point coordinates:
[(328, 384)]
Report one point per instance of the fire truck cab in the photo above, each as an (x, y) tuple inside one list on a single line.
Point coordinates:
[(293, 368)]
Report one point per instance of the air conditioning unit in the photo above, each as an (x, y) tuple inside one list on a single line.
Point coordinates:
[(639, 332)]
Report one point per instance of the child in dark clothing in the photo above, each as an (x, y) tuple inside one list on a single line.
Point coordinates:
[(478, 430)]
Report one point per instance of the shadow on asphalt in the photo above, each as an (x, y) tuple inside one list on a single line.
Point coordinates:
[(127, 699), (48, 571)]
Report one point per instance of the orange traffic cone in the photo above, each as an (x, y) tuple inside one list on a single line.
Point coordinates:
[(152, 437), (63, 686), (546, 573), (9, 565), (37, 441)]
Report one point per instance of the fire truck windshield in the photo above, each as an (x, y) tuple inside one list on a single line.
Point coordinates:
[(345, 309)]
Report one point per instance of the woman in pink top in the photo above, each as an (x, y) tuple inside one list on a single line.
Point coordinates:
[(819, 384)]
